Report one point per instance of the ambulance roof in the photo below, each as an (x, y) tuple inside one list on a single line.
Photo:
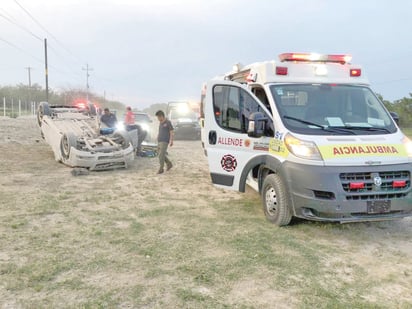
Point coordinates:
[(300, 68)]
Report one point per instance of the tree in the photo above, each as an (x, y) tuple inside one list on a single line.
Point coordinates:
[(404, 110)]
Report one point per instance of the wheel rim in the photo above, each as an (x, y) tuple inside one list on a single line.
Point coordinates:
[(271, 201), (66, 146)]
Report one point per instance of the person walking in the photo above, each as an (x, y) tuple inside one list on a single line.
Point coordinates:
[(164, 139)]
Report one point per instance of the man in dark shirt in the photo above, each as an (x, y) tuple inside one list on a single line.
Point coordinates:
[(164, 139), (108, 118)]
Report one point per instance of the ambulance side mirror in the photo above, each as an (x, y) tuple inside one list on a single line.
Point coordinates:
[(395, 117), (257, 123)]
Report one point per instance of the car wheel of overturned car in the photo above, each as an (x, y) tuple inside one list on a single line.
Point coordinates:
[(42, 110), (68, 141), (122, 138), (275, 200)]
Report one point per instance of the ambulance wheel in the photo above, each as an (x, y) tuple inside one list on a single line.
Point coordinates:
[(275, 200)]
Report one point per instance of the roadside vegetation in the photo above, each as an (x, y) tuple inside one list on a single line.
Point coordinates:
[(36, 93)]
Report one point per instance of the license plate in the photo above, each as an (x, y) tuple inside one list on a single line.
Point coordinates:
[(378, 207)]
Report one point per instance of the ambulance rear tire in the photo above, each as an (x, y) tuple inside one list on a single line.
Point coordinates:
[(275, 200)]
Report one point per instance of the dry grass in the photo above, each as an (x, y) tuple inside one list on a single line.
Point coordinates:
[(132, 239)]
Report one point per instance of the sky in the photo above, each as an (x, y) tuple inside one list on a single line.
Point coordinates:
[(154, 51)]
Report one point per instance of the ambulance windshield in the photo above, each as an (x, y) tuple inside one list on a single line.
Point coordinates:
[(331, 109)]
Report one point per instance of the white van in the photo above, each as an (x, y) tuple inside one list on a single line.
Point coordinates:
[(309, 134)]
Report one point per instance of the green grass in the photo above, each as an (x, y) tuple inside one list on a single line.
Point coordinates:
[(128, 246), (195, 260)]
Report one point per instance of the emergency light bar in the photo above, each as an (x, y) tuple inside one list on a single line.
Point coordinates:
[(311, 57)]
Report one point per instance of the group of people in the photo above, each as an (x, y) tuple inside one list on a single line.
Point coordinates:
[(164, 138)]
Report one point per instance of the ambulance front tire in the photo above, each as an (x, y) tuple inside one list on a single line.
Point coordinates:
[(275, 200)]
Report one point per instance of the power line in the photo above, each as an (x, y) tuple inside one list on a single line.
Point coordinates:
[(53, 37), (20, 49), (48, 32), (37, 59), (7, 16), (20, 26)]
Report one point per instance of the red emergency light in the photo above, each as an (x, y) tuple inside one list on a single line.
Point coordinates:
[(399, 184), (311, 57), (355, 72), (356, 185), (281, 71)]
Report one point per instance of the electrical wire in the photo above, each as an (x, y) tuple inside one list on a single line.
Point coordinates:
[(48, 32), (7, 16), (20, 26), (10, 19), (21, 49)]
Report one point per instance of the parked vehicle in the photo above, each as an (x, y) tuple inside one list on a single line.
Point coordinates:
[(78, 140), (309, 134), (145, 122), (184, 120)]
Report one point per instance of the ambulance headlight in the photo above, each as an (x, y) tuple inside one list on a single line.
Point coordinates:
[(302, 149), (408, 146)]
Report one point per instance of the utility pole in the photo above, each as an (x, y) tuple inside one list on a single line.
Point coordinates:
[(46, 70), (29, 71), (87, 69)]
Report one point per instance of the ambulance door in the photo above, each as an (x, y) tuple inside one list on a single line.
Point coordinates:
[(228, 106)]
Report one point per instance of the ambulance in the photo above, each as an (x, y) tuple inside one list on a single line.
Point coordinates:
[(310, 136)]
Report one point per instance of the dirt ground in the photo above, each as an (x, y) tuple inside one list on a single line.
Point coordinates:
[(42, 205)]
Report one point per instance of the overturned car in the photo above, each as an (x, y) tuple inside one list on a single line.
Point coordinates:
[(77, 139)]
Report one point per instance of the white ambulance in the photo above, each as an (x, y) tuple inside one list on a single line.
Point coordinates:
[(309, 134)]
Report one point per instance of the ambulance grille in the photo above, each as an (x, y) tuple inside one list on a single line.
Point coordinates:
[(372, 191)]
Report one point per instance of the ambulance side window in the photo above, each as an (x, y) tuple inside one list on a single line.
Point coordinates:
[(233, 107)]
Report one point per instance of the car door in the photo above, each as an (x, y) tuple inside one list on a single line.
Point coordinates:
[(228, 106)]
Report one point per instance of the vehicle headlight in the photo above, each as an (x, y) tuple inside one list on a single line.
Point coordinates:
[(408, 146), (120, 126), (145, 127), (302, 149)]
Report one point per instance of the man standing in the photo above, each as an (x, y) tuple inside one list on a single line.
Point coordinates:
[(164, 138), (108, 118)]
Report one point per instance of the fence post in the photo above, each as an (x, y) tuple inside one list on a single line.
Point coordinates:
[(19, 107), (4, 106)]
